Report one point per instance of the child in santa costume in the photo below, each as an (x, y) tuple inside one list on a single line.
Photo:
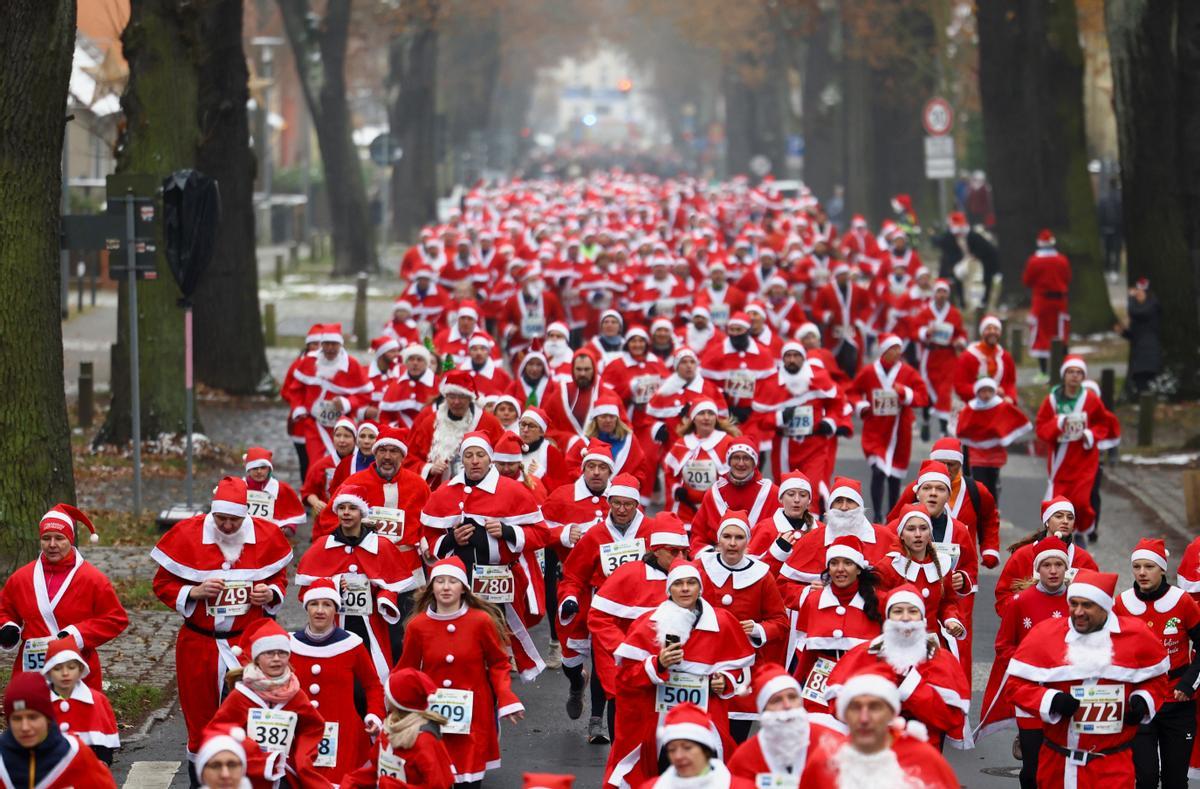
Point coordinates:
[(318, 486), (772, 539), (1058, 519), (269, 498), (336, 670), (691, 745), (683, 651), (742, 487), (59, 594), (459, 641), (34, 751), (327, 385), (988, 425), (269, 703), (920, 564), (82, 711), (697, 459), (411, 753)]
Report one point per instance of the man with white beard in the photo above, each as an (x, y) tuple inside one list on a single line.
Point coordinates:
[(785, 738), (803, 408), (933, 689), (433, 446), (1092, 678), (845, 516), (557, 349)]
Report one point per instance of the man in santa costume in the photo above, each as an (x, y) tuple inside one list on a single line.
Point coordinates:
[(742, 487), (737, 366), (223, 573), (385, 351), (452, 340), (268, 497), (679, 391), (433, 445), (1048, 274), (59, 594), (413, 387), (844, 308), (636, 376), (324, 387), (859, 247), (568, 404), (431, 303), (719, 296), (527, 312), (490, 378), (941, 336), (699, 333), (986, 359)]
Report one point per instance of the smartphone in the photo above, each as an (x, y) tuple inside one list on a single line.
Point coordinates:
[(671, 640)]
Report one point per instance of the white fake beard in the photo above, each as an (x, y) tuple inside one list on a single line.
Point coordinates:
[(327, 368), (556, 349), (798, 383), (1091, 652), (230, 544), (857, 770), (447, 435), (533, 289), (848, 522), (697, 339), (673, 621), (672, 385), (904, 644), (783, 736)]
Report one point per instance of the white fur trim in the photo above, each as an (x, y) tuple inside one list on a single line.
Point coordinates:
[(1149, 556), (906, 597), (867, 685), (349, 498), (1091, 592), (794, 483), (624, 491), (846, 492), (268, 643), (769, 689), (220, 507), (845, 552), (450, 571), (933, 476)]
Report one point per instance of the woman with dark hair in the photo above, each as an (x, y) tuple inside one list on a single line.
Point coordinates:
[(696, 461), (1058, 519), (919, 563)]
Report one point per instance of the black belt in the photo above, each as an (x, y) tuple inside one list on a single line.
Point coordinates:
[(1082, 757), (204, 631), (1054, 294)]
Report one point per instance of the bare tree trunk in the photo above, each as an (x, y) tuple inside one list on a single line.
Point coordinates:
[(38, 39), (824, 117), (412, 80)]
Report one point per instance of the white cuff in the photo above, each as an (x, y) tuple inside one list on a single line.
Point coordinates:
[(991, 552), (571, 618), (1089, 438), (1146, 697), (777, 553), (371, 717), (860, 406), (564, 536), (911, 680), (908, 395), (1044, 708), (758, 636), (388, 610), (958, 622), (732, 686), (184, 604), (299, 411), (517, 545), (345, 404), (273, 608), (74, 631), (650, 664), (509, 709)]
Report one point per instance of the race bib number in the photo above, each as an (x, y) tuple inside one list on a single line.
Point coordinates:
[(644, 387), (273, 730), (389, 523), (1073, 427), (719, 314), (533, 326), (456, 706), (327, 412), (493, 582), (740, 384), (1101, 709), (840, 332), (815, 684), (615, 554), (391, 765), (950, 552), (940, 333), (664, 308), (233, 600), (540, 553), (327, 748), (33, 657), (356, 597), (700, 475), (260, 504), (776, 781), (885, 402), (681, 687), (801, 423)]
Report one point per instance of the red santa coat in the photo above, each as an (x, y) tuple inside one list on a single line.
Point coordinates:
[(826, 630), (289, 381), (522, 320), (88, 715), (844, 319), (426, 766), (737, 373), (320, 393), (758, 496), (717, 645), (309, 731), (1019, 567), (633, 589), (920, 763), (1042, 666), (463, 651), (694, 465), (636, 381), (78, 768), (1169, 618), (988, 429), (860, 248), (405, 492), (980, 360), (941, 334), (526, 394), (451, 342), (1188, 573), (330, 673), (675, 398), (752, 762), (186, 556), (933, 578), (807, 560), (567, 409), (432, 306), (490, 379), (85, 605), (887, 439), (284, 508), (665, 298), (405, 396), (544, 462), (1048, 275), (797, 446), (786, 316), (1074, 458), (764, 544), (983, 526), (721, 303)]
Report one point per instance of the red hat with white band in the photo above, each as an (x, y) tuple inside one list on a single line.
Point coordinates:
[(669, 532), (681, 354), (794, 480), (846, 488), (933, 471), (736, 519), (229, 498), (409, 689), (741, 445), (947, 448), (846, 547), (911, 511), (479, 340), (769, 679), (1075, 362), (347, 423), (1051, 547), (1045, 239), (368, 425), (990, 320), (1153, 550), (738, 319), (383, 345), (265, 635), (606, 405), (700, 406), (391, 436), (332, 332), (637, 331), (688, 722), (221, 738), (625, 486), (61, 518), (321, 589), (681, 569), (537, 416), (807, 329), (868, 683), (791, 346), (458, 382), (478, 440), (451, 567), (468, 309), (1056, 504), (889, 341), (598, 450), (508, 449), (1098, 587), (905, 593), (62, 650), (257, 457), (352, 494)]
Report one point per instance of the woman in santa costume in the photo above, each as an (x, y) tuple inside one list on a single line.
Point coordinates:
[(336, 670), (413, 387), (84, 712), (268, 497), (1058, 519), (318, 482), (459, 641), (691, 745), (59, 594), (1076, 425), (635, 376), (741, 487), (532, 381), (697, 459), (365, 435), (325, 386), (885, 394), (941, 337), (682, 389), (987, 425), (608, 423), (683, 651), (370, 572), (1042, 597), (540, 456), (919, 563), (509, 461), (34, 751), (744, 587), (772, 539)]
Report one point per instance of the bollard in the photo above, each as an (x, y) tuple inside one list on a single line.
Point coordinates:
[(293, 255), (1108, 385), (269, 336), (279, 268), (312, 247), (1145, 427), (1058, 351), (87, 394), (1016, 345), (1191, 497), (361, 341)]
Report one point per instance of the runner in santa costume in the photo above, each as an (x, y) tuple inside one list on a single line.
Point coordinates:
[(411, 754), (569, 403), (459, 641), (317, 489), (800, 403), (452, 341), (312, 346), (684, 650), (81, 710), (941, 336), (678, 393), (531, 384), (1163, 748), (363, 455), (525, 315), (737, 366), (1044, 596), (1058, 519), (325, 386), (919, 563), (881, 748), (885, 394), (608, 423), (270, 498), (699, 333), (222, 572), (490, 378), (986, 359), (772, 539), (635, 376), (742, 487), (223, 761), (697, 459), (987, 425), (844, 308), (370, 572), (932, 687), (744, 586), (59, 594), (34, 752), (834, 618), (691, 746), (336, 670), (1076, 425), (493, 525), (433, 445), (540, 457), (385, 350), (269, 703), (1092, 678), (413, 388), (1048, 274)]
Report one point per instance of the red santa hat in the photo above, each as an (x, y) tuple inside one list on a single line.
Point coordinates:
[(229, 497), (669, 532), (769, 679), (1142, 283), (1056, 504), (383, 345), (757, 308), (636, 331), (846, 488), (1098, 587), (846, 547), (321, 589), (391, 436), (265, 635), (661, 323), (910, 511), (794, 480), (1153, 550), (738, 319), (409, 689), (547, 781), (221, 738), (402, 303), (889, 341), (1050, 547), (508, 449), (1073, 361), (368, 425), (612, 314), (27, 691), (990, 320), (537, 416), (902, 202), (352, 494), (741, 445), (933, 471), (868, 683), (735, 519), (941, 284), (858, 222), (958, 222), (61, 518), (792, 346), (257, 457), (1045, 239), (688, 722), (598, 450), (680, 569), (700, 406), (558, 327), (905, 593), (468, 309), (984, 383), (458, 382), (332, 332), (841, 267), (479, 440), (479, 340), (506, 398), (626, 486), (314, 334), (414, 349), (347, 423), (451, 567), (63, 650), (807, 329), (947, 448), (683, 353)]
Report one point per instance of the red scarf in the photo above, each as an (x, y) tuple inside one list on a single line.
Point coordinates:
[(56, 573)]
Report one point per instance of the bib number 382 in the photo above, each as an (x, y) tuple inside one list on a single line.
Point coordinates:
[(273, 730)]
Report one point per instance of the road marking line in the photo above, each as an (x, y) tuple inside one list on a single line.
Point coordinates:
[(151, 775)]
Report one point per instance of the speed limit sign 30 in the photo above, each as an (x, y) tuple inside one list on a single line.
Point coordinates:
[(937, 117)]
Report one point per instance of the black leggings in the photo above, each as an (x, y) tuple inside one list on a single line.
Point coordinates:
[(600, 702), (989, 477), (1163, 747), (551, 574), (1031, 743), (893, 493)]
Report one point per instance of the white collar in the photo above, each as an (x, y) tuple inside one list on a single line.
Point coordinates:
[(432, 613), (81, 692), (914, 568), (487, 484), (707, 620), (748, 573), (369, 542), (829, 599), (1136, 606), (582, 492), (209, 533), (691, 441)]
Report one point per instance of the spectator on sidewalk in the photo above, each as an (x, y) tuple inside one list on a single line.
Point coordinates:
[(979, 201), (1145, 346)]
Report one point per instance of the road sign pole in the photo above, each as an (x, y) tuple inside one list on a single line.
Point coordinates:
[(189, 393), (135, 391)]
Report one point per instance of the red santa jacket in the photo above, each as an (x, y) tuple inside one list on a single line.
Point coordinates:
[(737, 373), (522, 320), (426, 766), (981, 360), (400, 500), (431, 306), (758, 496), (1048, 274), (660, 299), (405, 396), (843, 319), (940, 333), (1170, 618), (693, 465), (807, 560), (88, 715), (933, 577), (983, 526), (490, 379), (764, 540), (633, 589), (315, 381), (887, 438), (675, 398), (319, 477), (827, 628), (988, 429), (569, 505), (917, 764), (280, 504), (636, 381), (816, 408), (566, 421), (427, 440), (1075, 433), (77, 767), (721, 303), (590, 562), (309, 730)]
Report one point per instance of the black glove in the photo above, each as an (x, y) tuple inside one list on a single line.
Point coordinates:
[(10, 635), (63, 634), (784, 544), (741, 413), (787, 414), (824, 428), (681, 495), (568, 609), (660, 434), (1135, 711), (1064, 704), (843, 431)]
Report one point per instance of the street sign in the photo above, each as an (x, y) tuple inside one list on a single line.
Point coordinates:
[(143, 191), (937, 117), (939, 157), (384, 150)]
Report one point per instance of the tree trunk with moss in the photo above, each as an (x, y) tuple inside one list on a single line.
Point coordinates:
[(38, 39), (1031, 84)]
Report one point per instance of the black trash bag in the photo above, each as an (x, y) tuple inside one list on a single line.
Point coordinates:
[(191, 215)]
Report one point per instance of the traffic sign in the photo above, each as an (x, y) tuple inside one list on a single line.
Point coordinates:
[(939, 157), (384, 150), (937, 117)]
